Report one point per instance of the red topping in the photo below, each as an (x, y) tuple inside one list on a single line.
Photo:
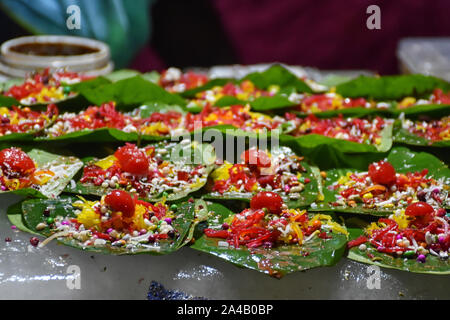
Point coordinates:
[(419, 209), (357, 242), (132, 160), (14, 160), (270, 200), (119, 200), (256, 157), (382, 172)]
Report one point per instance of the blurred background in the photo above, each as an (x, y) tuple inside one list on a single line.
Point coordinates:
[(155, 34)]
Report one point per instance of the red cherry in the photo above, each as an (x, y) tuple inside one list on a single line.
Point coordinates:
[(382, 172), (269, 200), (119, 200), (419, 209), (132, 160), (14, 160), (256, 157)]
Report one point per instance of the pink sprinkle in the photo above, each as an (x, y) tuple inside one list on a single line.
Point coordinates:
[(109, 230), (398, 237), (13, 227), (287, 188), (65, 222)]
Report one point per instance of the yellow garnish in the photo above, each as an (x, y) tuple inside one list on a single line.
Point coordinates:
[(42, 177), (106, 162), (138, 217), (88, 217), (222, 173), (401, 219), (4, 111), (336, 227)]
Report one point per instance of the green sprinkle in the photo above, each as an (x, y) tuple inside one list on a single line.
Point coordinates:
[(165, 194), (174, 207), (66, 89), (409, 254), (50, 220)]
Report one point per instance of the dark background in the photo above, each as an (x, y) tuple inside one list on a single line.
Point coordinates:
[(326, 34)]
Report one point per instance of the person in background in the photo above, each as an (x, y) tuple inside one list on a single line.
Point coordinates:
[(327, 34)]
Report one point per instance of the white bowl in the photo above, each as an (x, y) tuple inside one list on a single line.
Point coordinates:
[(20, 56)]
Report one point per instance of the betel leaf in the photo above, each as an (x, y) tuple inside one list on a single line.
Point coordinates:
[(307, 196), (429, 110), (64, 168), (271, 103), (176, 153), (403, 160), (8, 101), (14, 213), (277, 261), (312, 141), (191, 93), (93, 135), (405, 137), (274, 75), (89, 84), (129, 93), (32, 215), (349, 112), (280, 76), (17, 136), (147, 108), (7, 84), (433, 264), (129, 73), (391, 87)]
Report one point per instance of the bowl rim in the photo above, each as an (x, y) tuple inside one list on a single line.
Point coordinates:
[(11, 57)]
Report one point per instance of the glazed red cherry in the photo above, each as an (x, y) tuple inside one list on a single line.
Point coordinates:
[(269, 200), (256, 157), (14, 160), (119, 200), (382, 173), (419, 209), (132, 160)]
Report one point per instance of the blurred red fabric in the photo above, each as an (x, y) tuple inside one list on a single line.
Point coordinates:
[(326, 34)]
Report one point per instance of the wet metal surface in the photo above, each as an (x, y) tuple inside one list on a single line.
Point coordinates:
[(59, 272)]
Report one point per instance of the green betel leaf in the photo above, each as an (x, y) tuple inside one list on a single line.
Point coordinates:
[(129, 73), (209, 85), (280, 76), (277, 261), (147, 108), (15, 216), (391, 87), (312, 141), (403, 160), (431, 110), (89, 84), (433, 265), (121, 74), (96, 135), (358, 112), (404, 136), (32, 214), (275, 102), (8, 101), (129, 93), (180, 155), (302, 198), (64, 168), (17, 137)]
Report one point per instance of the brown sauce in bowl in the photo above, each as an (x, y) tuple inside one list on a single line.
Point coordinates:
[(52, 49)]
